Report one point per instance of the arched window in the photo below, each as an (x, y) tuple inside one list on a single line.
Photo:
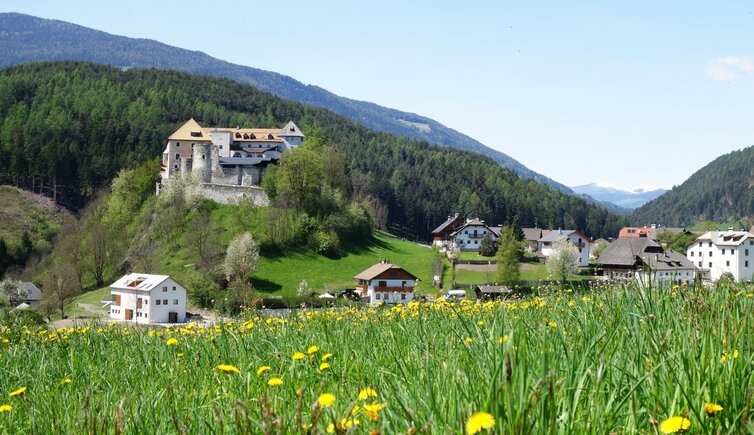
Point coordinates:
[(237, 154)]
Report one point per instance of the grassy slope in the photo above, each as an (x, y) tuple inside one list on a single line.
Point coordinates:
[(23, 211)]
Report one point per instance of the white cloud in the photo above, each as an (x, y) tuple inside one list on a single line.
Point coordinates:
[(730, 68)]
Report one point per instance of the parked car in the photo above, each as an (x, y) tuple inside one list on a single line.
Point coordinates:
[(455, 295)]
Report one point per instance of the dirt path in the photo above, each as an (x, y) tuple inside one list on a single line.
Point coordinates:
[(488, 267), (97, 316)]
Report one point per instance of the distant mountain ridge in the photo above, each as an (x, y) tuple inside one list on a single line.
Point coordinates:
[(25, 38), (622, 197), (721, 191)]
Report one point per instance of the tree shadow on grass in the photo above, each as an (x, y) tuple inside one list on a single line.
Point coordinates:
[(265, 286)]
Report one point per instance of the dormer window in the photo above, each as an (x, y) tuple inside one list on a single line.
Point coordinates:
[(269, 136), (238, 135), (245, 135), (196, 134), (252, 136)]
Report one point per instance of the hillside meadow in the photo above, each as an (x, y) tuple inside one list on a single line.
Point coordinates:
[(615, 360)]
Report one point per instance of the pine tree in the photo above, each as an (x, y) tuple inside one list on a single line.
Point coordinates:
[(508, 252)]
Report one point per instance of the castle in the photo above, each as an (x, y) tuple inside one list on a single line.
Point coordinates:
[(228, 161)]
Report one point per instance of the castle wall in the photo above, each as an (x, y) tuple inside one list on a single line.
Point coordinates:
[(231, 194)]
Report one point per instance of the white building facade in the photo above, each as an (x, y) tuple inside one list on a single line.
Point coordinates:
[(385, 283), (146, 298), (469, 236), (717, 252), (545, 245)]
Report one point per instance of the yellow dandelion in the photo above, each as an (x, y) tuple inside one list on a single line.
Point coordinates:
[(373, 411), (326, 356), (227, 368), (675, 424), (324, 366), (5, 408), (298, 355), (18, 392), (180, 354), (312, 349), (502, 339), (552, 324), (275, 382), (478, 422), (66, 381), (366, 393), (261, 370), (712, 408), (326, 400), (571, 303), (355, 409), (469, 340), (570, 290), (330, 428), (172, 341), (480, 323)]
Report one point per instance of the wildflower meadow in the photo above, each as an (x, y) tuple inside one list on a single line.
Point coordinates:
[(618, 359)]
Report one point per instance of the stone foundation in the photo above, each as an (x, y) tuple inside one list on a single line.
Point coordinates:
[(232, 194)]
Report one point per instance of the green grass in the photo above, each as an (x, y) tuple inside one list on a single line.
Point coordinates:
[(530, 271), (617, 360), (23, 211), (474, 256)]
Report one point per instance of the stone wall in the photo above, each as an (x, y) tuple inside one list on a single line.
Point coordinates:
[(231, 194)]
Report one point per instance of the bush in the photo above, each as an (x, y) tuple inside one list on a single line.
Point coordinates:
[(325, 243)]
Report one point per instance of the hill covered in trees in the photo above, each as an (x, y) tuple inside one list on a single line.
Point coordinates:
[(74, 125), (721, 191), (26, 38)]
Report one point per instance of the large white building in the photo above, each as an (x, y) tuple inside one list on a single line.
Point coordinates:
[(146, 298), (717, 252), (228, 156), (386, 283), (580, 240)]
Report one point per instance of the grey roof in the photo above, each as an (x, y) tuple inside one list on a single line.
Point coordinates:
[(726, 238), (244, 161), (472, 222), (444, 225), (555, 235), (492, 289), (533, 234), (33, 293), (668, 260), (496, 229), (624, 252), (672, 230), (291, 129)]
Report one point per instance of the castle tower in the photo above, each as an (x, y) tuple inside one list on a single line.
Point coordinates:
[(202, 161), (291, 135)]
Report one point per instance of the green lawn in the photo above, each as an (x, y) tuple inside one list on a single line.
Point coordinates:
[(282, 274), (529, 272), (474, 256)]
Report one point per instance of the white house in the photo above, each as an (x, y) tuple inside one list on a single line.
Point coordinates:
[(386, 283), (469, 236), (33, 294), (577, 238), (717, 252), (145, 298)]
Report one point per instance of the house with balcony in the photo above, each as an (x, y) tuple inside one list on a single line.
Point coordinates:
[(469, 236), (147, 298), (385, 283), (717, 252), (643, 259), (442, 233), (546, 243)]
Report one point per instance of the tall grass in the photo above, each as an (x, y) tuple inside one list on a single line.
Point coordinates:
[(618, 359)]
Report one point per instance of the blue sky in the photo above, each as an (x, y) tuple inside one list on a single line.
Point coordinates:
[(630, 93)]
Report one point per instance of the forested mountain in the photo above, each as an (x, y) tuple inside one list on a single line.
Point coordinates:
[(26, 38), (722, 191), (74, 125)]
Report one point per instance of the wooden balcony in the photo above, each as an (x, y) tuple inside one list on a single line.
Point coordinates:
[(393, 289), (361, 288)]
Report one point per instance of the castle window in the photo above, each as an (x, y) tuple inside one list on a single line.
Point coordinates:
[(177, 156), (252, 136), (177, 144), (238, 135), (245, 135), (269, 136)]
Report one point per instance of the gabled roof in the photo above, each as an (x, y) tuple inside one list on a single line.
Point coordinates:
[(378, 269), (668, 260), (725, 238), (290, 130), (33, 293), (445, 224), (555, 235), (472, 223), (533, 234), (627, 251), (190, 131), (139, 281)]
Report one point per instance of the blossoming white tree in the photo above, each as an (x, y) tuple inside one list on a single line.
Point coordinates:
[(564, 259)]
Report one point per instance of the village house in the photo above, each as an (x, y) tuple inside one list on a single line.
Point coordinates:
[(385, 283), (469, 236), (652, 231), (442, 233), (532, 236), (146, 298), (643, 259), (225, 156), (717, 252), (33, 294), (577, 238)]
